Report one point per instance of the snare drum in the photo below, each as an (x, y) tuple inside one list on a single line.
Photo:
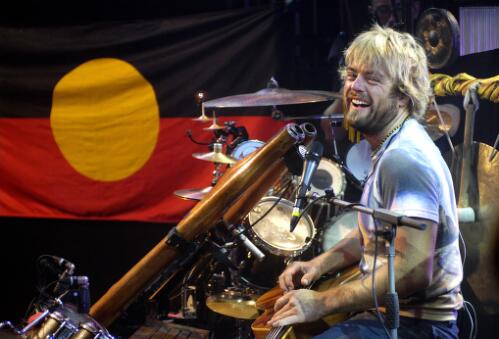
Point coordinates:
[(329, 175), (245, 148), (338, 228), (271, 234)]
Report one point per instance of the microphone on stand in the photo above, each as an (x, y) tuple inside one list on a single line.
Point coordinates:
[(312, 159)]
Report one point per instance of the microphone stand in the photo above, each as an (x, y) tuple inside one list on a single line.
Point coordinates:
[(389, 233)]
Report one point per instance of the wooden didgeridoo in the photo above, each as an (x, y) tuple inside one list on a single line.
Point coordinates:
[(200, 219)]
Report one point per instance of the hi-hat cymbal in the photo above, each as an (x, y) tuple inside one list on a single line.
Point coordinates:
[(272, 97), (234, 304), (193, 193), (213, 126), (216, 157)]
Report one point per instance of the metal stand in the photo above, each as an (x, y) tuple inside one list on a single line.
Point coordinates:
[(393, 219), (391, 296)]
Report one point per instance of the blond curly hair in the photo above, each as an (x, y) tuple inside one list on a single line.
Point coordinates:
[(401, 57)]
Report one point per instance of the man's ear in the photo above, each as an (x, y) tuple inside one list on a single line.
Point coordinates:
[(403, 101)]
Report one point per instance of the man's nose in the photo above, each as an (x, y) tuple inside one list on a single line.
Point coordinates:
[(359, 83)]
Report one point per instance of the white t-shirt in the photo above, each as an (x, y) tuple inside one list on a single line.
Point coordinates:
[(409, 176)]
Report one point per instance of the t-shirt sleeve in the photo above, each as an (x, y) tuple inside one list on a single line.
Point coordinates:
[(408, 185)]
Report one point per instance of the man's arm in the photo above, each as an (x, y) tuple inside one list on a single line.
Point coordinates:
[(343, 254), (414, 252), (413, 272)]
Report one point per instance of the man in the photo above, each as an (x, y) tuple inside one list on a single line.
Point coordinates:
[(386, 90)]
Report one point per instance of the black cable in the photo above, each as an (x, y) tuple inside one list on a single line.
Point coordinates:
[(189, 135)]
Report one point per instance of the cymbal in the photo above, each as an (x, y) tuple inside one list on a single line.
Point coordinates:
[(218, 158), (233, 303), (193, 193), (450, 116), (336, 117), (272, 97), (213, 126)]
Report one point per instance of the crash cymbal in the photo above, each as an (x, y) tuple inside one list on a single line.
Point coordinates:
[(216, 156), (233, 303), (336, 117), (272, 97), (193, 193), (450, 115)]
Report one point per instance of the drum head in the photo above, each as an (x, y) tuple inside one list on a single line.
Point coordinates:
[(245, 148), (328, 175), (358, 160), (338, 228), (272, 232)]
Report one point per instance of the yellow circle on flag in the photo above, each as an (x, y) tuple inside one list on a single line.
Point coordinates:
[(105, 119)]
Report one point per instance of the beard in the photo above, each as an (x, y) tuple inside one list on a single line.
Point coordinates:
[(373, 119)]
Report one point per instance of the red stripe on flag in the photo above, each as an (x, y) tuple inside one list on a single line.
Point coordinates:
[(37, 181)]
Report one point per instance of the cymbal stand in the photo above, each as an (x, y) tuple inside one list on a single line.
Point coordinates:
[(200, 99)]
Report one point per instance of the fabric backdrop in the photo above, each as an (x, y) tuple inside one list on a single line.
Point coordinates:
[(93, 118)]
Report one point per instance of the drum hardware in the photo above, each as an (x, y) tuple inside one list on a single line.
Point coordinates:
[(214, 125), (51, 317), (200, 98), (189, 302), (331, 117)]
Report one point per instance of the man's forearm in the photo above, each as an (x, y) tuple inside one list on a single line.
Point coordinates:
[(344, 254), (357, 295)]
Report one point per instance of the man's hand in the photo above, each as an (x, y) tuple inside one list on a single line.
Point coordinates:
[(306, 272), (297, 307)]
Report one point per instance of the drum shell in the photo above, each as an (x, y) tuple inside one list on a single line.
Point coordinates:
[(329, 175), (245, 148), (358, 160), (266, 234), (272, 232)]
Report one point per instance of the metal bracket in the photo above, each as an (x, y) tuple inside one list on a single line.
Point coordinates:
[(175, 240)]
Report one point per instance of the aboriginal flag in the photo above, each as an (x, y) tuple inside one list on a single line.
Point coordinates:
[(93, 117)]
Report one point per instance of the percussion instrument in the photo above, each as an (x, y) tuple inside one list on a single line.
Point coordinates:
[(272, 235), (245, 148), (358, 160), (66, 323), (272, 97), (329, 175), (216, 156), (195, 194), (234, 302)]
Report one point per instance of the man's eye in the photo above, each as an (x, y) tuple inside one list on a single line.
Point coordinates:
[(351, 76)]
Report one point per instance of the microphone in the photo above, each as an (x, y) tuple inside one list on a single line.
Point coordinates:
[(312, 159)]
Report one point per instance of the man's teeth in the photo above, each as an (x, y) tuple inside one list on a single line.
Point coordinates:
[(359, 102)]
